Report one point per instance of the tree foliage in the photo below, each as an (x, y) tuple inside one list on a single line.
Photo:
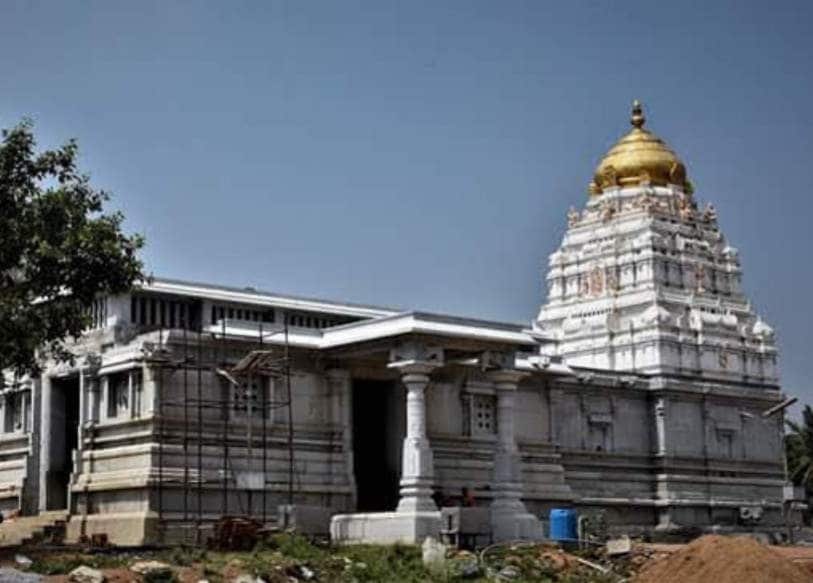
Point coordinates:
[(59, 249), (799, 450)]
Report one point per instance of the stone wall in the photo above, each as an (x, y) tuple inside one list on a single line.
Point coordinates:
[(647, 451)]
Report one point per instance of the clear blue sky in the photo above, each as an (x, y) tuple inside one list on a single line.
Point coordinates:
[(421, 154)]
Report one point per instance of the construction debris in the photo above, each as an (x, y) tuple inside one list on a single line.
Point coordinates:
[(618, 546), (235, 533), (85, 574), (289, 558), (433, 554), (723, 559), (151, 569), (15, 576)]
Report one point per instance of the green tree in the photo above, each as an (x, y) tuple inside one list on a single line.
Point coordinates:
[(799, 450), (59, 249)]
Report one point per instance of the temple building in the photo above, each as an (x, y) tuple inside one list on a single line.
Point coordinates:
[(639, 392)]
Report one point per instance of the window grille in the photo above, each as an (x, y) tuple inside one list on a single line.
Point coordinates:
[(247, 396), (479, 414), (483, 414)]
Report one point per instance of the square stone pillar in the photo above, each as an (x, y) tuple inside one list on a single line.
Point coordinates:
[(510, 520), (341, 395), (46, 396)]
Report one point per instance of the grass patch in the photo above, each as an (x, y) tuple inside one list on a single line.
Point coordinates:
[(285, 557), (62, 564)]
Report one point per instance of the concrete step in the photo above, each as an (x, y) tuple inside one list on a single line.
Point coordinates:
[(48, 526)]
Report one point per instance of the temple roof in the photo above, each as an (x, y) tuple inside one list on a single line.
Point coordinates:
[(638, 158)]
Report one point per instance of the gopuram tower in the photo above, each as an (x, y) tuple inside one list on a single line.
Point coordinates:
[(645, 281)]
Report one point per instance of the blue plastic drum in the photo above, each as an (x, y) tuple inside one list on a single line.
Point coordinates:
[(564, 525)]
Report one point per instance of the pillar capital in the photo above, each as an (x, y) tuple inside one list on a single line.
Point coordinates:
[(415, 358), (506, 379), (491, 360), (413, 371)]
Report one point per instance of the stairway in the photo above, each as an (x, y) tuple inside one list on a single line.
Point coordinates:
[(45, 527)]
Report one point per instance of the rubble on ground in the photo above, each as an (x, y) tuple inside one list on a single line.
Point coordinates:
[(295, 559), (8, 575), (86, 574), (151, 568), (723, 559)]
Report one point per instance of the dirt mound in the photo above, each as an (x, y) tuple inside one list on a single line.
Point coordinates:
[(722, 559)]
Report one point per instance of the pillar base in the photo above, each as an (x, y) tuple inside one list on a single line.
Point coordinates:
[(510, 520), (385, 527), (519, 526), (416, 495)]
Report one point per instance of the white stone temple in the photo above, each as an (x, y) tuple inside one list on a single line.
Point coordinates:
[(638, 392)]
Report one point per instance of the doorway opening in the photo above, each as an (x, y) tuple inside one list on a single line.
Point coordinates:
[(379, 426), (63, 436)]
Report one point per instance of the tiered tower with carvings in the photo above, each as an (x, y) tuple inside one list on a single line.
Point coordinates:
[(644, 279)]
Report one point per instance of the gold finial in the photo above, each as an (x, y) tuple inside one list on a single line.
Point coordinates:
[(639, 158), (637, 120)]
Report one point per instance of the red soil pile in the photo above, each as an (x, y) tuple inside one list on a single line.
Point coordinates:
[(722, 559)]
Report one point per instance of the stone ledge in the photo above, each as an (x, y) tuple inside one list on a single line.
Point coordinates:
[(130, 529), (385, 527)]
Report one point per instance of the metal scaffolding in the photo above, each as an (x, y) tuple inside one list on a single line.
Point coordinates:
[(255, 372)]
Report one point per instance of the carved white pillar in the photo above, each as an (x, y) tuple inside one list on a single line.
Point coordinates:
[(509, 517), (415, 361), (417, 462)]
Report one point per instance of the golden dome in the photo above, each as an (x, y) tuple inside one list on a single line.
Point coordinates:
[(638, 158)]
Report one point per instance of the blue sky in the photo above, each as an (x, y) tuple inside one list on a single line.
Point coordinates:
[(421, 154)]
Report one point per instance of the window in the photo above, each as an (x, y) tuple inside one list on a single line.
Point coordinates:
[(479, 414), (598, 437), (137, 392), (483, 414), (247, 396), (219, 312), (15, 412), (725, 443), (118, 390), (97, 313), (599, 431)]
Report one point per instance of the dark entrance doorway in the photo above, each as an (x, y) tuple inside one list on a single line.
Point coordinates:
[(379, 426), (63, 439)]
